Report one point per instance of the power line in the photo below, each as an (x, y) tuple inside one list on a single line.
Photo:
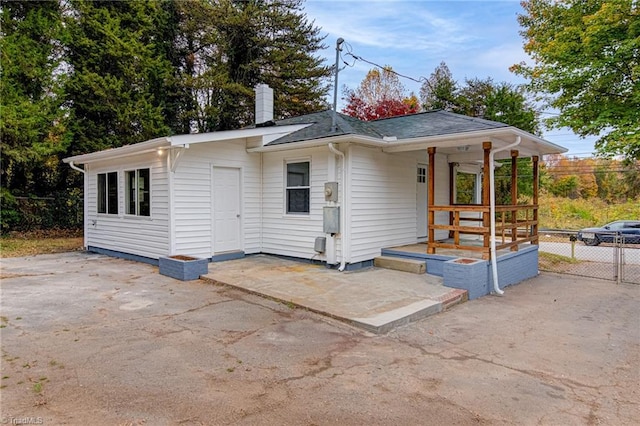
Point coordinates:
[(360, 58)]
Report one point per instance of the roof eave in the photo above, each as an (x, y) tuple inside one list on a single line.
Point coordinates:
[(123, 151), (181, 140)]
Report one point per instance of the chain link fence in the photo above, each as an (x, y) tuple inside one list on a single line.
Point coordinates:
[(617, 258), (35, 213)]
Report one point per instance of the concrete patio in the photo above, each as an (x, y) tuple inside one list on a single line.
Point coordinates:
[(374, 299)]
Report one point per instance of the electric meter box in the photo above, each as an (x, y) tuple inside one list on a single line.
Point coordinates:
[(331, 191), (331, 220)]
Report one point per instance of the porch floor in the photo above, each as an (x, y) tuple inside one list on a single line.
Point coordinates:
[(422, 249), (374, 299)]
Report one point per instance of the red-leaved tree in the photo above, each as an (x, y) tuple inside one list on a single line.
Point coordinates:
[(380, 95)]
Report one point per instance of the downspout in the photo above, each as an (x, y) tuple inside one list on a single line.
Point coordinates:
[(84, 207), (492, 208), (74, 167), (343, 226)]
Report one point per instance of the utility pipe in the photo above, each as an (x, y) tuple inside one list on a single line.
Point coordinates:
[(343, 227), (492, 208)]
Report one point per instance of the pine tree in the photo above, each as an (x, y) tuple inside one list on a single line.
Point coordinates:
[(32, 122), (225, 48), (117, 71), (439, 90)]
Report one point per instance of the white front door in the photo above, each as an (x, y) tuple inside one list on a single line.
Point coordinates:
[(226, 209), (421, 201)]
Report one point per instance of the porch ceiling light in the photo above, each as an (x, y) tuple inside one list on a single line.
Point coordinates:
[(462, 148)]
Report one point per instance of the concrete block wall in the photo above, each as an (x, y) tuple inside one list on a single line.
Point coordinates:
[(477, 277), (183, 270), (517, 266), (467, 274)]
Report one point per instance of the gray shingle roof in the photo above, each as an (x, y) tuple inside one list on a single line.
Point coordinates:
[(432, 123)]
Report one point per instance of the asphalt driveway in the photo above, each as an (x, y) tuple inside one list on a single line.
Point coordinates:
[(88, 339)]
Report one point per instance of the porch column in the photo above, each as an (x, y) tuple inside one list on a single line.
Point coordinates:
[(535, 199), (486, 200), (452, 183), (514, 197), (431, 200)]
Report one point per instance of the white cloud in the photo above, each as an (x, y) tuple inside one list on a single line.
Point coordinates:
[(387, 25)]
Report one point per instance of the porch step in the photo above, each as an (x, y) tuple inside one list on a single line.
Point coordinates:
[(400, 264), (454, 297)]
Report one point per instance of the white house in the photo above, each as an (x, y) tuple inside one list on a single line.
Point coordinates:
[(324, 187)]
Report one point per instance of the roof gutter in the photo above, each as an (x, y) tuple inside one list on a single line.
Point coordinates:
[(440, 141), (74, 167), (312, 143), (124, 151)]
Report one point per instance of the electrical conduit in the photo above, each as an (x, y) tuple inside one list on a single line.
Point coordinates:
[(492, 208), (343, 226)]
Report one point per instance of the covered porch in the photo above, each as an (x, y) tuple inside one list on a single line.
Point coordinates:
[(469, 226)]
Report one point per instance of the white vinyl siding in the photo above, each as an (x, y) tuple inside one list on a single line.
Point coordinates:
[(292, 234), (383, 202), (193, 197), (383, 199), (142, 236)]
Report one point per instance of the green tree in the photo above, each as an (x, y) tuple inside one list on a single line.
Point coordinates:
[(117, 69), (483, 98), (501, 102), (223, 49), (587, 65), (33, 122), (440, 90)]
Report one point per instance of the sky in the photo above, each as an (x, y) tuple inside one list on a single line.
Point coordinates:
[(476, 38)]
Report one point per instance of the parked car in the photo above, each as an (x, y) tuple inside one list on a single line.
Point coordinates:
[(628, 229)]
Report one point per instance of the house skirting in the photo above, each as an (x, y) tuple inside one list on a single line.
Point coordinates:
[(475, 275), (123, 255)]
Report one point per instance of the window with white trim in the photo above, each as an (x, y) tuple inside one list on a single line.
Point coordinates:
[(108, 193), (298, 189), (137, 198)]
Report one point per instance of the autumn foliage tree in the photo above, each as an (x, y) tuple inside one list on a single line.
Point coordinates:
[(613, 181), (586, 64), (380, 95)]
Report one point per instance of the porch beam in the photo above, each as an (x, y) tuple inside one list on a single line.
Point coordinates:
[(534, 234), (514, 198), (486, 195), (431, 200)]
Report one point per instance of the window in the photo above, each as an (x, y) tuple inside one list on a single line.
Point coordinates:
[(138, 196), (108, 193), (298, 188), (422, 175)]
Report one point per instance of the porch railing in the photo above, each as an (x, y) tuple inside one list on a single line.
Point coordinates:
[(515, 224)]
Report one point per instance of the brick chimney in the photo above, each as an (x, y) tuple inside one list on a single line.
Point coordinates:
[(264, 104)]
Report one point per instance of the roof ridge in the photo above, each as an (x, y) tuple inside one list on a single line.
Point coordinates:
[(472, 118)]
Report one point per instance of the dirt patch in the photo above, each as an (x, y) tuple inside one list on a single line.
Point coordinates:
[(20, 244), (183, 258)]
